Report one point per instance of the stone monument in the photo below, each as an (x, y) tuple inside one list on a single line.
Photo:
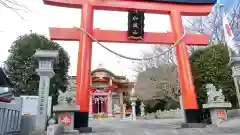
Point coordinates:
[(65, 109), (46, 60), (216, 105)]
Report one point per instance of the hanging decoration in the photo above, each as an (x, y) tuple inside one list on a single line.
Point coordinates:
[(110, 89), (143, 65), (150, 64), (155, 62), (118, 60), (100, 99)]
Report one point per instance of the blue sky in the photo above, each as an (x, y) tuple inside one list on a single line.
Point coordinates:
[(228, 4)]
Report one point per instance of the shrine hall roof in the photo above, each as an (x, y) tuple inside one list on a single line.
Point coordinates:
[(108, 72)]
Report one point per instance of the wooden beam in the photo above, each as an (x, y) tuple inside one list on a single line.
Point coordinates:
[(148, 7), (68, 34), (73, 34)]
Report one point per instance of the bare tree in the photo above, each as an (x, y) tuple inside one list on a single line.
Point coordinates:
[(157, 79), (212, 26), (158, 83), (15, 7), (165, 53)]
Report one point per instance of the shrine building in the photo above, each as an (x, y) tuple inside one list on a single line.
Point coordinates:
[(108, 93)]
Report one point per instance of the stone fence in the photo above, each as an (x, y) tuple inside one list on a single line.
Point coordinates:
[(10, 117), (166, 114), (178, 113)]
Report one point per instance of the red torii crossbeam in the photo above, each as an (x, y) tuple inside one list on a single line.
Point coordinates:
[(85, 48), (74, 34)]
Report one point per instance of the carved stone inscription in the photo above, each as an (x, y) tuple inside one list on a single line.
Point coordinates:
[(41, 97)]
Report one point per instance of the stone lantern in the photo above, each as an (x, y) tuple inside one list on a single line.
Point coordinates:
[(235, 65), (46, 59)]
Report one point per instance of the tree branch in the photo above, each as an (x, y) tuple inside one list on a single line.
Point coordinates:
[(15, 7)]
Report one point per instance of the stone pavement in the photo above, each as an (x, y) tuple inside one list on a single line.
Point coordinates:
[(234, 123), (154, 127)]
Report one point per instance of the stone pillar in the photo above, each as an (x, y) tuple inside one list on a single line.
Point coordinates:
[(45, 71), (121, 103), (124, 111), (133, 100), (182, 108), (109, 105), (121, 98), (90, 106)]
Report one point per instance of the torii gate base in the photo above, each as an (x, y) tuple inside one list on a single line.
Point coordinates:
[(85, 48)]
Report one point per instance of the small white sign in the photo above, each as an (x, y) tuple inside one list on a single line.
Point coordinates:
[(29, 105)]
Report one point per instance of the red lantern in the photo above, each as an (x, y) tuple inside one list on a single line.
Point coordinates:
[(108, 89), (93, 90)]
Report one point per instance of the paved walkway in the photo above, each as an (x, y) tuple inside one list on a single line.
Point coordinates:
[(154, 127), (234, 123)]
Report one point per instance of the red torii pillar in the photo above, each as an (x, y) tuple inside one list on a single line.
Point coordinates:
[(85, 48)]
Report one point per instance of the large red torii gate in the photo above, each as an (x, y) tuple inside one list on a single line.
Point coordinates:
[(85, 47)]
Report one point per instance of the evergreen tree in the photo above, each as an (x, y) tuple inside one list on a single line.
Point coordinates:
[(210, 65), (21, 65)]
